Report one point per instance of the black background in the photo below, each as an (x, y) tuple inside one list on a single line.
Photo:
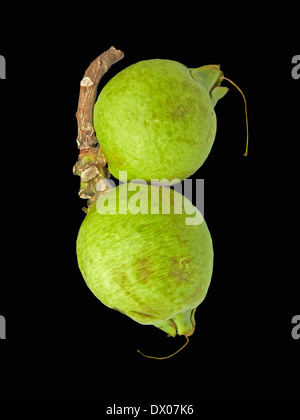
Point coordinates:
[(62, 343)]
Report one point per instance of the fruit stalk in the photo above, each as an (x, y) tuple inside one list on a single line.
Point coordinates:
[(91, 162)]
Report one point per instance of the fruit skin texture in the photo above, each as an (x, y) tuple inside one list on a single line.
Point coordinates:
[(152, 267), (156, 119)]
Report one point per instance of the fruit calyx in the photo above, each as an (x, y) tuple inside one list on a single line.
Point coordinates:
[(181, 324), (210, 76)]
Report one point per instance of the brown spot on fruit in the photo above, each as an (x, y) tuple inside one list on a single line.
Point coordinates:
[(143, 268), (178, 113), (179, 269)]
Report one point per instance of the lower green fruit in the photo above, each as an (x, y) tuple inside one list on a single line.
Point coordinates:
[(146, 254)]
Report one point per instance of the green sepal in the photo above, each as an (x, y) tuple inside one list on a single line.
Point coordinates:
[(167, 326), (218, 93), (181, 324), (210, 77)]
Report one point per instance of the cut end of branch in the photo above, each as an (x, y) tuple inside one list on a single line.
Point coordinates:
[(86, 82)]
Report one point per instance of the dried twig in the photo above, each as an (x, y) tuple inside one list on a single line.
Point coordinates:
[(91, 162)]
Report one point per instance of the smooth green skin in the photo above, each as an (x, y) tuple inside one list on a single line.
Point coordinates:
[(156, 119), (152, 267)]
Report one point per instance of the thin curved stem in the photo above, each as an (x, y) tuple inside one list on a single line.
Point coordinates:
[(246, 113), (170, 355)]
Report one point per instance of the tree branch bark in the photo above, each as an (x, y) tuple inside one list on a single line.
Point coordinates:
[(91, 162)]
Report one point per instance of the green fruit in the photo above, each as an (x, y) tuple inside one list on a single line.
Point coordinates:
[(156, 119), (153, 267)]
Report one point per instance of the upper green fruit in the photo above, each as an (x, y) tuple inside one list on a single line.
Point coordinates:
[(154, 267), (156, 119)]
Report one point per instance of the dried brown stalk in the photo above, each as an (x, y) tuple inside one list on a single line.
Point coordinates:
[(91, 162)]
